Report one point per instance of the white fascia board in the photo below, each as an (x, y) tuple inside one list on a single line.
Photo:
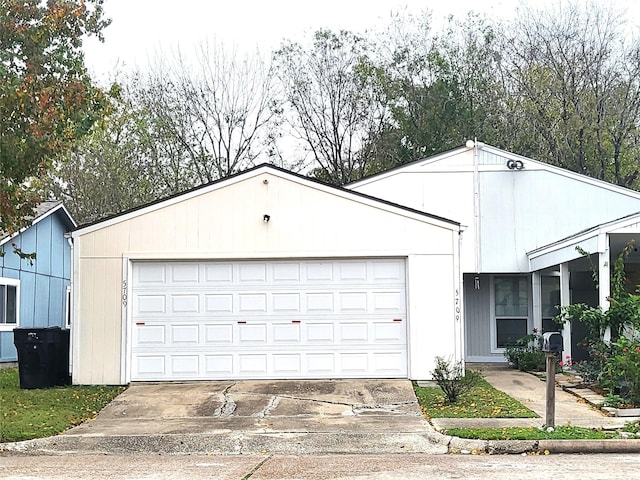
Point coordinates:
[(563, 253), (564, 172), (60, 206), (412, 167), (343, 193)]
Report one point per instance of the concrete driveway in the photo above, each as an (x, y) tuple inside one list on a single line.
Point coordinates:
[(337, 416)]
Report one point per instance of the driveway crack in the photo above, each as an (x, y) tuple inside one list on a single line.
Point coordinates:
[(228, 405)]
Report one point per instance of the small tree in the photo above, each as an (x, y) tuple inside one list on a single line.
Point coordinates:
[(450, 376)]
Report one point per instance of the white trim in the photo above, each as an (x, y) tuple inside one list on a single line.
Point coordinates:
[(266, 169), (492, 308), (7, 327), (37, 220), (125, 346), (486, 359), (418, 165)]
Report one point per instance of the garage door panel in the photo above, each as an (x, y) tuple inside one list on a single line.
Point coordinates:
[(182, 334), (252, 364), (252, 333), (149, 365), (218, 303), (287, 364), (218, 334), (150, 304), (252, 273), (184, 365), (321, 363), (388, 301), (218, 274), (320, 302), (286, 333), (150, 334), (218, 365), (150, 273), (320, 333), (354, 332), (353, 272), (252, 303), (384, 332), (286, 272), (185, 273), (319, 272), (352, 301), (270, 319), (285, 302), (185, 303)]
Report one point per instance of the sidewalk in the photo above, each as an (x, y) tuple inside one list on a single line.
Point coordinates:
[(577, 408)]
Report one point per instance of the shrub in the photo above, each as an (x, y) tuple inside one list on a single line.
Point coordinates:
[(453, 380), (526, 354)]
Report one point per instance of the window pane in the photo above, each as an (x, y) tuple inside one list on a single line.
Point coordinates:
[(550, 296), (509, 330), (11, 303), (511, 297)]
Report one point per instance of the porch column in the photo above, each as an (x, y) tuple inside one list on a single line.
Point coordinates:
[(536, 291), (564, 301), (604, 277)]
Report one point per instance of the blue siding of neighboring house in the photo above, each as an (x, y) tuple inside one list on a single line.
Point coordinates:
[(43, 281)]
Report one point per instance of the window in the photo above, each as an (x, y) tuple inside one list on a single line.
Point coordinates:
[(550, 290), (511, 309), (8, 302)]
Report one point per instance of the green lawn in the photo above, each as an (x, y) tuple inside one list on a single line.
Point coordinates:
[(483, 401), (26, 414)]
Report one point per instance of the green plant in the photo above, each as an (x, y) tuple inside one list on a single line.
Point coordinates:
[(483, 401), (564, 432), (27, 414), (450, 376), (526, 354), (621, 373)]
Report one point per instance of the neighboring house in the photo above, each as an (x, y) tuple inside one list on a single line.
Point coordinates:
[(265, 274), (34, 293), (522, 221)]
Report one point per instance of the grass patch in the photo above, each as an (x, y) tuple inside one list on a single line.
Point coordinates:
[(483, 401), (27, 414), (565, 432)]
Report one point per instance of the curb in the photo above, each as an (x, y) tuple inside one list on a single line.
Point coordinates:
[(457, 445)]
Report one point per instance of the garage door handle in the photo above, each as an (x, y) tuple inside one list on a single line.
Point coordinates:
[(295, 321), (397, 319), (242, 322)]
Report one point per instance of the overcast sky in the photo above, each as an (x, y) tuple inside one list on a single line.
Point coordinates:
[(141, 28)]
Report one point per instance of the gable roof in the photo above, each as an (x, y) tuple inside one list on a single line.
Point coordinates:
[(41, 211), (489, 149), (254, 171)]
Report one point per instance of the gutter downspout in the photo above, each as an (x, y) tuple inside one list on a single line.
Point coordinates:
[(476, 210)]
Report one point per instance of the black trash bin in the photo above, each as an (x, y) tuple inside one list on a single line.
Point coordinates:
[(43, 356)]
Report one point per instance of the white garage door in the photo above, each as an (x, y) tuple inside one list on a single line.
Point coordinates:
[(269, 319)]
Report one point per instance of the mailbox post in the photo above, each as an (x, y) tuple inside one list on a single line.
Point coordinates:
[(552, 345)]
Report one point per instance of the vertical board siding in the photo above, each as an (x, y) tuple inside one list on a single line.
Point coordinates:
[(43, 281), (477, 316)]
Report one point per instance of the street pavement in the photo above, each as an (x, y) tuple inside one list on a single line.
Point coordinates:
[(319, 467)]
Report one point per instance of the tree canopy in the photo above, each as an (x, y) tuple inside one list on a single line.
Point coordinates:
[(47, 99)]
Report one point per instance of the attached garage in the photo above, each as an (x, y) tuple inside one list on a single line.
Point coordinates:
[(265, 274), (269, 319)]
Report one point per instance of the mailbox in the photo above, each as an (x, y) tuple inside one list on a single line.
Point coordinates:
[(552, 342)]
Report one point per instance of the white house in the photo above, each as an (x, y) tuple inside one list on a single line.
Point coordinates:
[(265, 274), (522, 221)]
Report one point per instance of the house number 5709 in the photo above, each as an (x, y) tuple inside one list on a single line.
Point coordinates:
[(124, 293)]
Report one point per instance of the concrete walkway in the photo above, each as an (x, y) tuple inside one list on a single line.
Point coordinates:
[(576, 409)]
